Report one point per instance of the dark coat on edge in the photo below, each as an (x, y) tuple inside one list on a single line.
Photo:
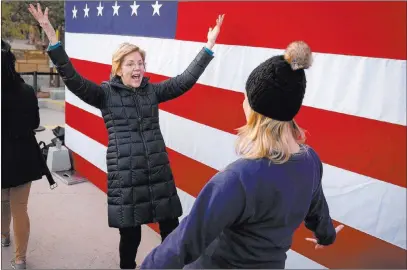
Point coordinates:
[(21, 159)]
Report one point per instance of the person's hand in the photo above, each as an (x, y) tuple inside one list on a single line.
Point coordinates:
[(213, 33), (318, 246), (42, 19)]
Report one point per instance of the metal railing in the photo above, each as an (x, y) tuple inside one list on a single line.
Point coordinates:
[(35, 75)]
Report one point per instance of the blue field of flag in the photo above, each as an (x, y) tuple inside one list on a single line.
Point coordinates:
[(133, 18)]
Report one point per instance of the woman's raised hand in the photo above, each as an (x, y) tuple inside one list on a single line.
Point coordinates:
[(213, 33), (42, 19)]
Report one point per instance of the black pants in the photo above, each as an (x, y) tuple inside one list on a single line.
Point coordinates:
[(130, 240)]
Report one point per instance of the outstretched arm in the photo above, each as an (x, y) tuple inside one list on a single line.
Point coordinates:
[(86, 90), (220, 204), (175, 87)]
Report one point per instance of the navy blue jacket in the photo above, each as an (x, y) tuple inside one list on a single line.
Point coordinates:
[(246, 215)]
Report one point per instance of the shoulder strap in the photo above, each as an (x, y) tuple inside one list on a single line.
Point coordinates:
[(48, 174)]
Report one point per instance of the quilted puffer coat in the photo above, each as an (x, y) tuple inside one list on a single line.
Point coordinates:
[(141, 187)]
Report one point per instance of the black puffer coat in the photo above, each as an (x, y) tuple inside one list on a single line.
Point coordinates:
[(141, 188)]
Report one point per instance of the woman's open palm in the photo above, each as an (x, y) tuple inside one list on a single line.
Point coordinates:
[(213, 33), (42, 19)]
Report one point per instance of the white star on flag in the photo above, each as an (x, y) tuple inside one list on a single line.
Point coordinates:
[(100, 9), (86, 10), (74, 11), (134, 8), (156, 8), (115, 9)]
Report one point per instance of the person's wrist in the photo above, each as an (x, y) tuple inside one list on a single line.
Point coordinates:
[(53, 40), (210, 44)]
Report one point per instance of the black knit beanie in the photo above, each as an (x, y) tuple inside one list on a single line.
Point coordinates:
[(276, 87)]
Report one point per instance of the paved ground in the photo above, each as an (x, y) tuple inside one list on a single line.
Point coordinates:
[(21, 44), (69, 224)]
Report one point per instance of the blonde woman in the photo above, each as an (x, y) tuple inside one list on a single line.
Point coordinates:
[(246, 215), (141, 187)]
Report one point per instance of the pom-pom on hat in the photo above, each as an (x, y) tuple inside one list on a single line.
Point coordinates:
[(276, 87)]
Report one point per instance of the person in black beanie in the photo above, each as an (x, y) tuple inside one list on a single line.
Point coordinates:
[(246, 215)]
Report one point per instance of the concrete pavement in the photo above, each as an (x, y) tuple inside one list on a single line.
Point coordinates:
[(69, 228)]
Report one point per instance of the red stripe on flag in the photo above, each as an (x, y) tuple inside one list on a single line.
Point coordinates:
[(341, 140), (372, 29), (86, 124), (353, 248), (90, 172)]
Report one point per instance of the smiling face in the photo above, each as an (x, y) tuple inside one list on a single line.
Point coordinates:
[(132, 69), (128, 63)]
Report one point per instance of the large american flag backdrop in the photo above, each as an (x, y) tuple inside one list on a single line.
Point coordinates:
[(354, 109)]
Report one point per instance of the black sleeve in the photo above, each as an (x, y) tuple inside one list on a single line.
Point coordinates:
[(175, 87), (33, 110), (86, 90), (318, 219), (36, 113)]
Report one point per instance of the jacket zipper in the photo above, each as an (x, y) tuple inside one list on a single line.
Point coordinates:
[(146, 155)]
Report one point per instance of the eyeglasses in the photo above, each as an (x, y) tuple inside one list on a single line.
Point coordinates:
[(135, 65)]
